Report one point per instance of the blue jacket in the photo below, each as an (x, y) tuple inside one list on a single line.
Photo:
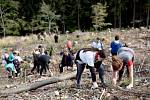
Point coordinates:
[(115, 45)]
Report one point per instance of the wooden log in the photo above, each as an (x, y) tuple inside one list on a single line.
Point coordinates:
[(31, 86)]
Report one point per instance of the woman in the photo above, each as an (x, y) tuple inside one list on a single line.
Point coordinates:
[(17, 61), (124, 58), (87, 57), (9, 66)]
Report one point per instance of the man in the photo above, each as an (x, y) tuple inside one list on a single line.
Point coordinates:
[(87, 57), (36, 54), (124, 58), (44, 61)]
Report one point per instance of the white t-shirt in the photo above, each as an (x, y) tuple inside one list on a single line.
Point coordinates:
[(19, 58), (87, 57), (99, 45)]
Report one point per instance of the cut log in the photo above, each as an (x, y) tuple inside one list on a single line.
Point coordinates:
[(37, 84)]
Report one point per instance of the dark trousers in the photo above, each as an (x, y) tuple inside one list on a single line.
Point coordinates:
[(18, 70), (100, 69), (44, 66), (113, 54), (10, 74), (36, 66), (80, 69)]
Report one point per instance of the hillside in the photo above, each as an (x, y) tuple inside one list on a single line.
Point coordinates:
[(138, 39)]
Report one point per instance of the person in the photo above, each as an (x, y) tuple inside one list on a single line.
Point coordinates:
[(115, 45), (56, 38), (124, 59), (87, 57), (17, 61), (44, 61), (66, 60), (36, 54), (97, 44), (69, 45), (98, 65), (41, 49), (9, 66)]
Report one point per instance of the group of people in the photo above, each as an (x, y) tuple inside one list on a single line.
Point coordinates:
[(122, 57), (91, 58), (41, 60), (11, 62)]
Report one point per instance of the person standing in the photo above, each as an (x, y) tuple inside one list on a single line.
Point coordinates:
[(17, 61), (97, 44), (9, 66), (36, 54), (44, 61), (115, 45), (56, 38)]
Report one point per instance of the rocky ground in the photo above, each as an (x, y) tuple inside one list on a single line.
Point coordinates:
[(138, 39)]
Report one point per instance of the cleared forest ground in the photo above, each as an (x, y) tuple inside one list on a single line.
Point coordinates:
[(138, 39)]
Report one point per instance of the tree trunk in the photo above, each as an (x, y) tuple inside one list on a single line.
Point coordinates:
[(64, 27), (148, 17), (37, 84), (115, 17), (120, 14), (78, 14), (120, 21), (1, 12), (49, 25), (133, 14)]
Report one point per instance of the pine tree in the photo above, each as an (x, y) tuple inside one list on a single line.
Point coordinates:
[(99, 14)]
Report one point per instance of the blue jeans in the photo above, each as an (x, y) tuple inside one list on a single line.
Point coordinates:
[(101, 73)]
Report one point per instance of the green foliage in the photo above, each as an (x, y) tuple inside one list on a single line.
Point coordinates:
[(46, 19), (18, 17), (9, 16), (99, 13)]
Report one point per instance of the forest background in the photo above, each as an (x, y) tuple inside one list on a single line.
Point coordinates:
[(22, 17)]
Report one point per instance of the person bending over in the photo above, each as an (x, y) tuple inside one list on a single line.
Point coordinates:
[(87, 57), (124, 59)]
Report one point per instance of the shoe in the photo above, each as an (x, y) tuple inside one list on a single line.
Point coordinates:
[(78, 86), (129, 86), (95, 85)]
